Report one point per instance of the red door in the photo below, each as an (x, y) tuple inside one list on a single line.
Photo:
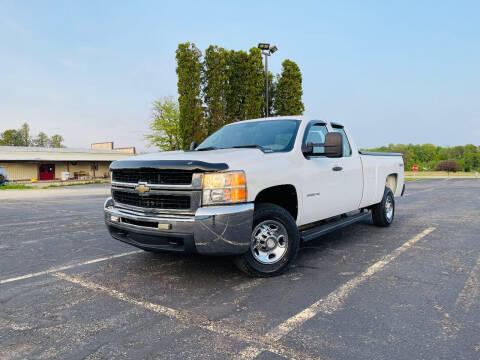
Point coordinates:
[(47, 172)]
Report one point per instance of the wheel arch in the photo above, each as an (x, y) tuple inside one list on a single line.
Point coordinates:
[(284, 196), (391, 182)]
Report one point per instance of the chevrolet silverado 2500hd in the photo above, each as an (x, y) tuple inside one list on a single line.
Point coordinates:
[(254, 189)]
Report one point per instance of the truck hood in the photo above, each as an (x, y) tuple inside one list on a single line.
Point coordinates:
[(212, 160)]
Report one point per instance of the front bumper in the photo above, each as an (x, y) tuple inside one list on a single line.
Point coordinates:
[(215, 230)]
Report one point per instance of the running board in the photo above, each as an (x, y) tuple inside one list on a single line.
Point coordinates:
[(313, 233)]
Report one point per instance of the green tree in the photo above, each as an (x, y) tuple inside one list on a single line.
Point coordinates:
[(246, 79), (165, 125), (470, 157), (56, 141), (24, 132), (255, 80), (288, 97), (272, 88), (11, 137), (429, 156), (237, 68), (22, 137), (215, 88), (189, 71), (41, 140)]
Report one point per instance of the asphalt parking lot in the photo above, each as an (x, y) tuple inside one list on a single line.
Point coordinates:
[(411, 291)]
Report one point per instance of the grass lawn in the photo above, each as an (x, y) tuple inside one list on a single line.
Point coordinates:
[(74, 184), (15, 187), (10, 186)]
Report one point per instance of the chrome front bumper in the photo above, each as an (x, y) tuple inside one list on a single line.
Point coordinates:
[(215, 230)]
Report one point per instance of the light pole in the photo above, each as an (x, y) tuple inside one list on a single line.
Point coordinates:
[(267, 50)]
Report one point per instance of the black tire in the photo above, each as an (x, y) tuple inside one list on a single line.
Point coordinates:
[(249, 264), (380, 211)]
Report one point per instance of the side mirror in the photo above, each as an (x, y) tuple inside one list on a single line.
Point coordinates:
[(193, 145), (333, 145), (307, 149)]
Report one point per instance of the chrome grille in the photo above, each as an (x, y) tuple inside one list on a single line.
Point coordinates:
[(153, 176), (152, 201)]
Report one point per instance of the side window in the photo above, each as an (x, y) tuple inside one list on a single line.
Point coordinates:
[(347, 151), (316, 135)]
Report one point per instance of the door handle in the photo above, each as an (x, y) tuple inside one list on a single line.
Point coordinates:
[(337, 168)]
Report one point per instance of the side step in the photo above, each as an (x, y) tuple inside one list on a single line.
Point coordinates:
[(313, 233)]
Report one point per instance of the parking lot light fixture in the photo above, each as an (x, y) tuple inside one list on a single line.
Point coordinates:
[(264, 46), (267, 50)]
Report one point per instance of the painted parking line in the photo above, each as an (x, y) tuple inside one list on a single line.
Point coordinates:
[(256, 346), (254, 340), (66, 267), (336, 298), (471, 290), (333, 301), (418, 192)]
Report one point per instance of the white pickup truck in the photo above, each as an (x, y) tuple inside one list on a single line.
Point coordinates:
[(254, 189)]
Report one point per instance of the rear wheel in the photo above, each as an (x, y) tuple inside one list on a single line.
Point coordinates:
[(274, 242), (384, 211)]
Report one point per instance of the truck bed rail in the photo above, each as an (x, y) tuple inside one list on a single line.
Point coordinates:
[(379, 153)]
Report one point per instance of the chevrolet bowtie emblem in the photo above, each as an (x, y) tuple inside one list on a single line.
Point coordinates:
[(142, 189)]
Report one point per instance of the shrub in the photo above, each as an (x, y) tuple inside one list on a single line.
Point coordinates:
[(448, 165)]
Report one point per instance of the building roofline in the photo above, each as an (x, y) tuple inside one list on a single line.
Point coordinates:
[(54, 150), (103, 142)]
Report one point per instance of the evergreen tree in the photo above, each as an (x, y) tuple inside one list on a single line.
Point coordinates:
[(245, 91), (189, 71), (255, 79), (288, 96), (215, 87), (237, 68), (272, 88)]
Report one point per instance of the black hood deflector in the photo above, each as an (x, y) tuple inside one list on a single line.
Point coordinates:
[(192, 165)]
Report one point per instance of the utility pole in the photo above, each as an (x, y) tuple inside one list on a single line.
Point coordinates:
[(267, 50)]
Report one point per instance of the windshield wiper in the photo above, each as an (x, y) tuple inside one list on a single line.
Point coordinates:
[(233, 147), (249, 146), (207, 148)]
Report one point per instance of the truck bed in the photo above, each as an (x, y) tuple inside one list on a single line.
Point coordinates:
[(377, 166)]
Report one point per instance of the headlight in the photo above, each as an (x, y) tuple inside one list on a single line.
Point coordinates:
[(227, 187)]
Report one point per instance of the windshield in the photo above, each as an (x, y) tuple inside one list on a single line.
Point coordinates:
[(270, 136)]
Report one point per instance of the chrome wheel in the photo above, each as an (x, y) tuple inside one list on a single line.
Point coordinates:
[(269, 242), (389, 208)]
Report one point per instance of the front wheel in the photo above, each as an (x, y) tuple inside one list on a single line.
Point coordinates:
[(384, 211), (274, 242)]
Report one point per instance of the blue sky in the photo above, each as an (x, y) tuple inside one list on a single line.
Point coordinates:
[(393, 71)]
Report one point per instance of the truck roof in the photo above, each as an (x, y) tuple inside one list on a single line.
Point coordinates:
[(293, 117)]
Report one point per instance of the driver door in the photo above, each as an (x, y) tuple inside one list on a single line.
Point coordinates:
[(322, 185)]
